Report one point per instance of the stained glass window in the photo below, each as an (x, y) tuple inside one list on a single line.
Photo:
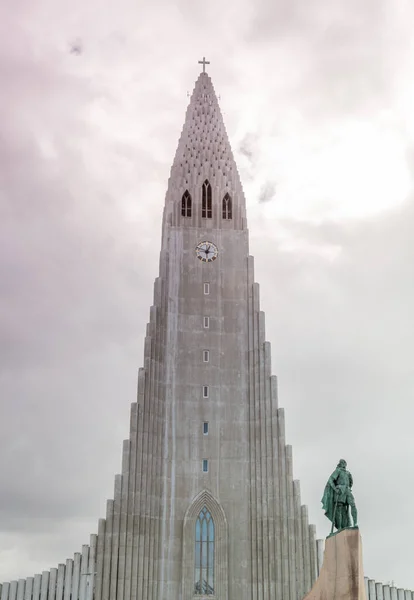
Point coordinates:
[(204, 554)]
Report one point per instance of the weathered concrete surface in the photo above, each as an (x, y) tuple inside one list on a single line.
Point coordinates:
[(342, 573)]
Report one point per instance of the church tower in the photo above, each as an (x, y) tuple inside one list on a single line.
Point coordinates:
[(206, 505)]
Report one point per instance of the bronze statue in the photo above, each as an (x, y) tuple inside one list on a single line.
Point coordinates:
[(338, 497)]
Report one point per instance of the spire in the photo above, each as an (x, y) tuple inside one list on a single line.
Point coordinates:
[(204, 153)]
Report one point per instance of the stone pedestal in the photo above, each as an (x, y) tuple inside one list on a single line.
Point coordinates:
[(342, 573)]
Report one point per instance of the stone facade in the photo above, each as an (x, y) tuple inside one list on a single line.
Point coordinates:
[(206, 432)]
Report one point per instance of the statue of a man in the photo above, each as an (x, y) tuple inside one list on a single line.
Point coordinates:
[(338, 497)]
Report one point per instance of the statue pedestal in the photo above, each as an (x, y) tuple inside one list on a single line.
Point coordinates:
[(342, 573)]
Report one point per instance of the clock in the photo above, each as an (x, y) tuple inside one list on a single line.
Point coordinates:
[(206, 251)]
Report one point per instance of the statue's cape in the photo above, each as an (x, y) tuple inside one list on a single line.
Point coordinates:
[(328, 502)]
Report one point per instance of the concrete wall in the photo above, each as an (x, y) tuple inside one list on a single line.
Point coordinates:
[(74, 580), (380, 591)]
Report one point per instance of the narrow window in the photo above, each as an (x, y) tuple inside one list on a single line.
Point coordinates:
[(205, 391), (186, 204), (206, 201), (205, 465), (205, 428), (227, 213), (206, 355), (206, 322), (204, 553), (206, 289)]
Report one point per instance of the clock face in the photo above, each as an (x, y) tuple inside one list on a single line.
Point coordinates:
[(207, 251)]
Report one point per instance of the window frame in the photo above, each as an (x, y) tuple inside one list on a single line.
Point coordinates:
[(206, 200), (227, 207), (186, 205), (204, 540)]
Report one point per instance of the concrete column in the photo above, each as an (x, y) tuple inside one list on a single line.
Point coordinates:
[(60, 582), (306, 549), (300, 584), (312, 552), (131, 500), (123, 520), (291, 523), (107, 550), (366, 588), (159, 412), (276, 490), (394, 593), (378, 591), (90, 579), (401, 594), (76, 576), (269, 432), (371, 590), (283, 504), (28, 590), (263, 447), (44, 585), (5, 591), (138, 492), (83, 572), (67, 590), (51, 594), (152, 446), (259, 450), (143, 495), (387, 592), (115, 536), (36, 587), (20, 589), (13, 590), (100, 551), (252, 426)]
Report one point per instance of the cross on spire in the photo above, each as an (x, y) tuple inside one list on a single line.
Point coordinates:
[(204, 62)]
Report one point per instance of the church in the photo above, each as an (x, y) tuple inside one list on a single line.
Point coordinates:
[(206, 505)]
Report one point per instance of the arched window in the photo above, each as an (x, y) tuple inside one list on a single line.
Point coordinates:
[(186, 204), (227, 213), (206, 203), (204, 554)]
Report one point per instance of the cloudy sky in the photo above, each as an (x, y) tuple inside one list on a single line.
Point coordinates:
[(317, 98)]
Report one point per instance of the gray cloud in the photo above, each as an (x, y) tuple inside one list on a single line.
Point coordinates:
[(267, 193), (247, 146)]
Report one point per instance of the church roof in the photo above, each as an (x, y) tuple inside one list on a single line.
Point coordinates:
[(204, 150)]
